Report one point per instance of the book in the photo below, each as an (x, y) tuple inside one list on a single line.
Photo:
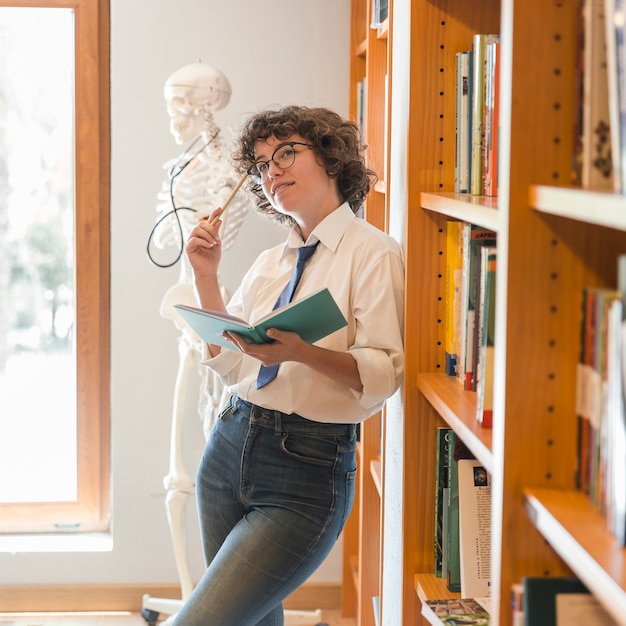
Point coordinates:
[(616, 71), (463, 121), (617, 433), (442, 459), (581, 609), (479, 86), (452, 555), (594, 413), (454, 278), (474, 528), (376, 609), (486, 351), (457, 611), (517, 604), (596, 160), (313, 317), (492, 119), (462, 312), (380, 12), (477, 237), (550, 601)]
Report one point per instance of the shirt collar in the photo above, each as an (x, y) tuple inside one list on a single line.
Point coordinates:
[(329, 231)]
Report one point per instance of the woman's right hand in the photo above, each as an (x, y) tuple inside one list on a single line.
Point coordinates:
[(204, 246)]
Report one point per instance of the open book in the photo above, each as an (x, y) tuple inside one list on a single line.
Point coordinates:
[(312, 318)]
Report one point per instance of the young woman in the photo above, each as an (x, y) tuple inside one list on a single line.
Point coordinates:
[(276, 480)]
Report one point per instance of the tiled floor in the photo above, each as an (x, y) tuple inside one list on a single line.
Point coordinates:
[(332, 618)]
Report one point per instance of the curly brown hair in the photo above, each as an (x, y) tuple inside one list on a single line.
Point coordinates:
[(336, 142)]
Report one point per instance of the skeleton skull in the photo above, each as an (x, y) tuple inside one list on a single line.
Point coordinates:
[(193, 93)]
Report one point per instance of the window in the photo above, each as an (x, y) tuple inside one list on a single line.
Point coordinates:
[(54, 266)]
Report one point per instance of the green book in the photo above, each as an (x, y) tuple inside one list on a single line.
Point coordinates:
[(453, 556), (312, 318)]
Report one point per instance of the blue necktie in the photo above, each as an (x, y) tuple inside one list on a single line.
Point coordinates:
[(268, 373)]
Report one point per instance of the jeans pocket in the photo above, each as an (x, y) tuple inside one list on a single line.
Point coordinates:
[(309, 449), (226, 412)]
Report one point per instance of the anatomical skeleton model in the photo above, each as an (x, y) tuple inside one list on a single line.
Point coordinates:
[(199, 180)]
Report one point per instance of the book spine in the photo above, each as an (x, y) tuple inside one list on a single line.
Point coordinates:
[(492, 119), (453, 573), (454, 260), (474, 529), (479, 85), (616, 70), (463, 122), (597, 166), (484, 385), (441, 486), (478, 114), (477, 237)]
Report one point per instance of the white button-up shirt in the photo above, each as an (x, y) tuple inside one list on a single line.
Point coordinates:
[(363, 269)]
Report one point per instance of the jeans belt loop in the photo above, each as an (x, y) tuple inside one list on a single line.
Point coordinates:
[(278, 425)]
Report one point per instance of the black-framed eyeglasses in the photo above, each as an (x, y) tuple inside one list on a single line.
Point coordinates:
[(283, 157)]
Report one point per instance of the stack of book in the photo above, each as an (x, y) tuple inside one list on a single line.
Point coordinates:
[(462, 518), (471, 260), (600, 401)]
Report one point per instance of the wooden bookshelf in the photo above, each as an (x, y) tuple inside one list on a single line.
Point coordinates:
[(553, 240)]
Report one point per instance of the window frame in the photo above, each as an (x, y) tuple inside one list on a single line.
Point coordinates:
[(91, 510)]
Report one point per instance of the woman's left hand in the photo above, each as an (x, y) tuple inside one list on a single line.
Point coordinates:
[(285, 346)]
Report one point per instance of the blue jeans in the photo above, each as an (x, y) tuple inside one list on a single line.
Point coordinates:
[(274, 492)]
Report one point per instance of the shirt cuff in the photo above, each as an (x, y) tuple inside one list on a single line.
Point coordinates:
[(379, 377), (224, 363)]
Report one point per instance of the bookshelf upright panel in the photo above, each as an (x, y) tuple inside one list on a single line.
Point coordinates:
[(369, 61)]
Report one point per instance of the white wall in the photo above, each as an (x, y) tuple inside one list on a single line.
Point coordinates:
[(283, 51)]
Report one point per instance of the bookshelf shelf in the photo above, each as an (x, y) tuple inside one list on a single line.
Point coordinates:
[(479, 210), (577, 532), (592, 207), (376, 472), (457, 408), (383, 30), (431, 587)]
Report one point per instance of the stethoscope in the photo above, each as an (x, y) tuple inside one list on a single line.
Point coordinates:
[(175, 171)]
